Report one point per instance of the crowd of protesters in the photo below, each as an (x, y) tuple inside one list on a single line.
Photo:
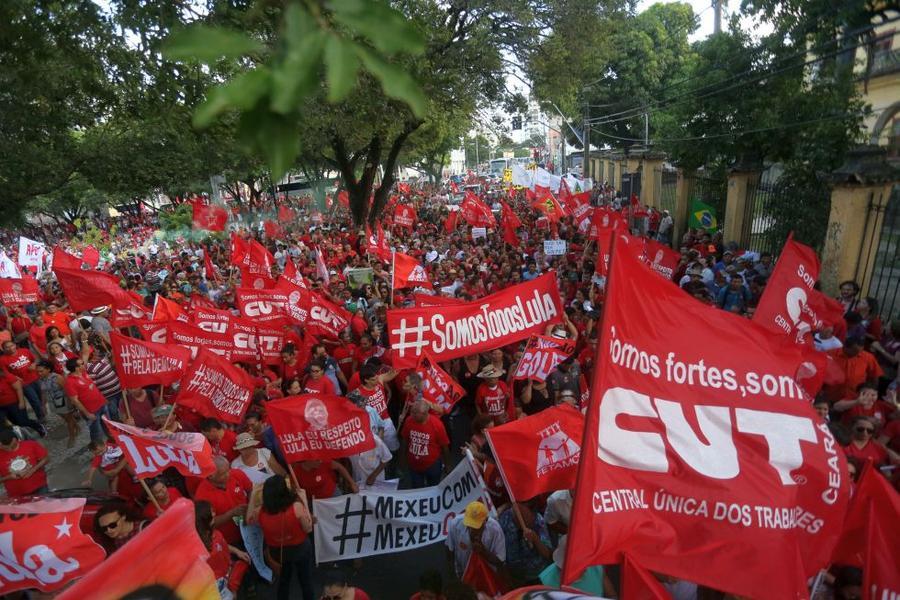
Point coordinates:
[(57, 362)]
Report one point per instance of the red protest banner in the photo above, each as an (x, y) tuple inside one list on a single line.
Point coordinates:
[(216, 388), (408, 272), (292, 275), (604, 218), (539, 453), (89, 289), (476, 212), (166, 559), (65, 260), (405, 216), (272, 307), (789, 303), (438, 386), (326, 319), (702, 450), (318, 427), (376, 243), (43, 545), (19, 291), (542, 355), (424, 300), (661, 259), (256, 344), (195, 338), (493, 321), (211, 319), (151, 452), (139, 363), (167, 310)]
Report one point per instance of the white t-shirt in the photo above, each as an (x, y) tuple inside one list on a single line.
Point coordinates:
[(831, 343), (259, 472), (366, 462), (460, 545)]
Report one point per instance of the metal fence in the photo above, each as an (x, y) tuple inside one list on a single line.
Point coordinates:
[(758, 231), (666, 183), (884, 282)]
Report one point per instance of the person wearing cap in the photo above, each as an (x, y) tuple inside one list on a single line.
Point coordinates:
[(493, 397), (100, 323), (258, 464), (474, 531), (160, 415)]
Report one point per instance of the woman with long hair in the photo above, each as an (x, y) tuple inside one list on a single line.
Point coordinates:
[(228, 573), (114, 524), (285, 520)]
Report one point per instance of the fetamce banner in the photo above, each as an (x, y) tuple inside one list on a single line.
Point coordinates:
[(702, 459), (371, 523), (457, 330)]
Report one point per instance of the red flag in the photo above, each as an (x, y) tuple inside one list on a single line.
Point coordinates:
[(377, 243), (319, 427), (476, 212), (212, 319), (870, 538), (166, 559), (454, 188), (65, 260), (509, 221), (541, 356), (273, 230), (195, 338), (437, 385), (91, 256), (285, 214), (661, 259), (209, 217), (292, 275), (702, 450), (326, 319), (43, 545), (603, 218), (257, 281), (273, 307), (408, 272), (165, 310), (789, 303), (505, 317), (481, 577), (565, 196), (151, 452), (19, 291), (238, 248), (634, 246), (321, 267), (256, 259), (451, 221), (405, 216), (403, 188), (210, 271), (640, 584), (549, 207), (141, 363), (216, 388), (539, 453), (89, 289)]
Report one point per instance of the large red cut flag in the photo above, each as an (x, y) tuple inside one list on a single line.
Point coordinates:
[(539, 453), (165, 560), (209, 217), (274, 307), (639, 584), (789, 303), (326, 319), (542, 354), (43, 546), (405, 216), (437, 385), (194, 338), (502, 318), (19, 291), (871, 539), (63, 259), (151, 452), (703, 450), (319, 427), (408, 272), (216, 388), (139, 363)]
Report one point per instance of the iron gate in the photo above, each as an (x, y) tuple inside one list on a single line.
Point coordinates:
[(709, 190), (666, 183), (884, 257)]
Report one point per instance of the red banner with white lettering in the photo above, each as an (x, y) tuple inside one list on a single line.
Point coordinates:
[(273, 308), (703, 451), (604, 218), (457, 330), (216, 388), (871, 538), (790, 304), (151, 452), (292, 275), (209, 217), (195, 338), (166, 559), (409, 272), (438, 387), (211, 319), (661, 259), (405, 216), (139, 363), (326, 319), (539, 453), (542, 354), (19, 291), (319, 427), (43, 546), (476, 212)]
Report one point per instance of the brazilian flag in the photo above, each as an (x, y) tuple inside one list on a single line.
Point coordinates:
[(703, 216)]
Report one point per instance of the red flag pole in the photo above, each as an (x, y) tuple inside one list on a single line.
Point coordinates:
[(512, 498), (144, 485)]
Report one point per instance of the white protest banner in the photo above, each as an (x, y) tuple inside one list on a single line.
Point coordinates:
[(31, 253), (554, 247), (479, 232), (372, 522), (8, 269)]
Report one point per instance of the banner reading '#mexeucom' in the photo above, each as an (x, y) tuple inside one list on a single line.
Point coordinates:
[(700, 450), (471, 327), (371, 523)]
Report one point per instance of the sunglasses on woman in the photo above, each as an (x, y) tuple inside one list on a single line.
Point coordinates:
[(111, 525), (864, 430)]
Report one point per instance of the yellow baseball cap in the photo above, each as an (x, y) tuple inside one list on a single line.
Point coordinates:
[(476, 514)]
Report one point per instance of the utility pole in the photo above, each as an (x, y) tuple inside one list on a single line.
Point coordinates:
[(646, 130), (586, 143), (477, 160), (717, 23)]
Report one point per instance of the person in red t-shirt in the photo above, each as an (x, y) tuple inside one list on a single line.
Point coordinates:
[(289, 367), (344, 353), (316, 382), (864, 447), (319, 478), (493, 397), (427, 446), (163, 495), (228, 491), (220, 551), (866, 404), (22, 465), (21, 363), (12, 403), (221, 439), (85, 397)]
